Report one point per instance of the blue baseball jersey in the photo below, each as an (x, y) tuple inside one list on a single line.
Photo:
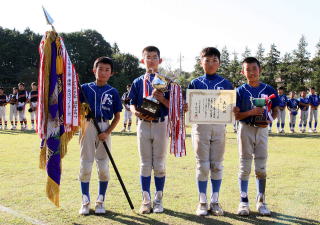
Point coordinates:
[(212, 82), (283, 100), (245, 93), (293, 103), (305, 101), (104, 100), (314, 100), (136, 94)]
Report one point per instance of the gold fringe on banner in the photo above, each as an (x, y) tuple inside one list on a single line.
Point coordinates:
[(64, 140), (51, 36), (59, 60), (84, 111), (43, 158), (53, 191)]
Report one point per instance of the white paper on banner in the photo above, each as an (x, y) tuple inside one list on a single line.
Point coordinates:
[(210, 106)]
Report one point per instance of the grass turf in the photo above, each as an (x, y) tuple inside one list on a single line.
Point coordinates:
[(292, 184)]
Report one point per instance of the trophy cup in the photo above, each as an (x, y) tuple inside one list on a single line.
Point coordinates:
[(265, 103), (150, 105)]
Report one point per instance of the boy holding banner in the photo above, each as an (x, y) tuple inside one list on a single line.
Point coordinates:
[(209, 139), (105, 104)]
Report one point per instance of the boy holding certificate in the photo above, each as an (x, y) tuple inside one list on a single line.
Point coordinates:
[(208, 140)]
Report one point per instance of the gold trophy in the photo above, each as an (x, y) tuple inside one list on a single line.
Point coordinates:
[(150, 105)]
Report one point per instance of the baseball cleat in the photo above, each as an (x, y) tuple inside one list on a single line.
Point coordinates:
[(262, 206), (215, 209), (310, 130), (100, 209), (243, 209), (202, 209), (314, 130), (146, 203), (85, 207), (157, 203)]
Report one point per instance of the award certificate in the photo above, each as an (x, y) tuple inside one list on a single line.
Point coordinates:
[(210, 106)]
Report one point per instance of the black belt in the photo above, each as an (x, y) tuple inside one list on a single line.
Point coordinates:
[(153, 121)]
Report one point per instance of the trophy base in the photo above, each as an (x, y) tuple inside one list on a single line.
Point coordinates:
[(260, 121), (150, 108)]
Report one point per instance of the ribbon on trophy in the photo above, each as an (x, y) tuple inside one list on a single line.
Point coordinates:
[(176, 121)]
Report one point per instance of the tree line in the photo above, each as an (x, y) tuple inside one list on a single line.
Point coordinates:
[(294, 71), (19, 58), (19, 62)]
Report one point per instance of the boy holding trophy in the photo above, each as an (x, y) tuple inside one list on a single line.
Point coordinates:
[(150, 105), (255, 101)]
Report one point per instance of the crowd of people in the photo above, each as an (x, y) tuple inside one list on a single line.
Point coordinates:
[(18, 101), (305, 105)]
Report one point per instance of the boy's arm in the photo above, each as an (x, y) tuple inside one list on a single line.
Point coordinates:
[(138, 114), (103, 136), (257, 111), (275, 112), (303, 104)]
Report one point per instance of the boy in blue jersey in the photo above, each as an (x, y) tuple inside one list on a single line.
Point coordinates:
[(105, 104), (252, 139), (282, 112), (304, 107), (293, 106), (209, 139), (152, 135), (313, 112)]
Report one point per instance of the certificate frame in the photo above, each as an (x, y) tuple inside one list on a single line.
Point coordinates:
[(210, 106)]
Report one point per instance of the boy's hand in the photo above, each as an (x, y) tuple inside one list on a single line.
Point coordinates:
[(185, 107), (257, 111), (158, 95), (143, 116), (236, 110), (104, 135)]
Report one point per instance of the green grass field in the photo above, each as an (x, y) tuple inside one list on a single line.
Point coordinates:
[(292, 185)]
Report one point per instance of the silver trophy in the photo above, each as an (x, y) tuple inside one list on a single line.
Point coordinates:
[(150, 105)]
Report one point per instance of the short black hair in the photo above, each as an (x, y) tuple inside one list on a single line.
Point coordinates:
[(129, 86), (103, 60), (1, 88), (15, 88), (21, 83), (281, 88), (251, 60), (151, 49), (34, 83), (210, 51), (312, 88)]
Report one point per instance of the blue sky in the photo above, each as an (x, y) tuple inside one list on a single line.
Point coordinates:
[(175, 25)]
